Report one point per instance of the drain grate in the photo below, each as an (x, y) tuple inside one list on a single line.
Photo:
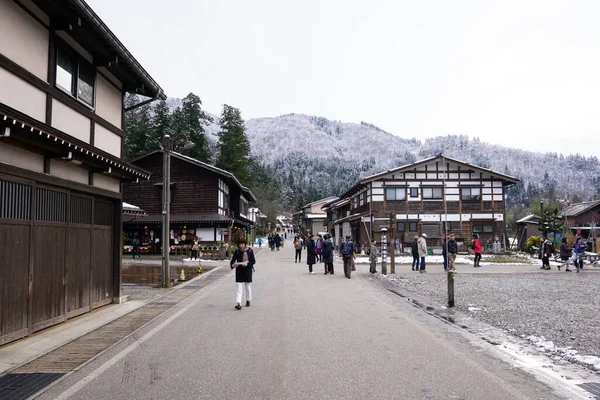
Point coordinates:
[(592, 388), (189, 287), (163, 303), (21, 386)]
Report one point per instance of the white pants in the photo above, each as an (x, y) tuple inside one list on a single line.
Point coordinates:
[(238, 298)]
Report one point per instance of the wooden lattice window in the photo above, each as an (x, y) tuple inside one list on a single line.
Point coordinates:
[(103, 213), (15, 200), (81, 210), (50, 205)]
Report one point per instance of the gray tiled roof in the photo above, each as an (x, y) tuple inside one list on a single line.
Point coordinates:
[(575, 209)]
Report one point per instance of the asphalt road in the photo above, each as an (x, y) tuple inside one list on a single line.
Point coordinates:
[(304, 337)]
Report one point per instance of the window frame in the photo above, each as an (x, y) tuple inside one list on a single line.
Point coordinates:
[(403, 224), (414, 190), (395, 189), (79, 64), (416, 225), (481, 228), (471, 196), (432, 188)]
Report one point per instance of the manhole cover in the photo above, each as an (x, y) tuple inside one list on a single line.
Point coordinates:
[(21, 386)]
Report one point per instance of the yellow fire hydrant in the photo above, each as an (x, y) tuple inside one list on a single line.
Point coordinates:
[(182, 275)]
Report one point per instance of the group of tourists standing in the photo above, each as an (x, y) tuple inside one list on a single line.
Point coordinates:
[(319, 249), (276, 241)]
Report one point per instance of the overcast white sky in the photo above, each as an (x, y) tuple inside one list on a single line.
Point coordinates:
[(518, 73)]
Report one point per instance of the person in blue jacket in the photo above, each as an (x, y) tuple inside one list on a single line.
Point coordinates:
[(579, 248)]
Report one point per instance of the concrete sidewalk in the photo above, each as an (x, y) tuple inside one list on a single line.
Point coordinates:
[(14, 355)]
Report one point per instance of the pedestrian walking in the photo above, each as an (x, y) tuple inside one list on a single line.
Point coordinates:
[(243, 261), (565, 254), (546, 250), (195, 249), (373, 258), (328, 255), (271, 241), (277, 240), (298, 248), (414, 246), (579, 248), (310, 254), (347, 249), (452, 251), (476, 247), (136, 248), (422, 245)]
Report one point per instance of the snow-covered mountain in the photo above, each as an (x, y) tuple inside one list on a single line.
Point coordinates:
[(323, 157)]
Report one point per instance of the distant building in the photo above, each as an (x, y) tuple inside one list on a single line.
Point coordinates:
[(583, 218), (311, 217), (527, 227), (432, 196), (207, 203)]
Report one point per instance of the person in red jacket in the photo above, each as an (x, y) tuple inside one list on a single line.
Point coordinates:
[(476, 249)]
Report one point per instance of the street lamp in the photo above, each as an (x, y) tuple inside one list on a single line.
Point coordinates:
[(167, 146)]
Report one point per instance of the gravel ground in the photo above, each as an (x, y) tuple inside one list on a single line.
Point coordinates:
[(563, 308)]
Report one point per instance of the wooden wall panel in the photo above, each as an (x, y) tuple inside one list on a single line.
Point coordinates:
[(102, 265), (79, 248), (14, 281), (49, 260)]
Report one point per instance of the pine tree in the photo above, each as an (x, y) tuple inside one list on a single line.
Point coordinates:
[(189, 119), (138, 123), (161, 125), (234, 147)]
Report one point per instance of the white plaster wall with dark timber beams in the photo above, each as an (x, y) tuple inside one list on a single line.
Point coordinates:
[(107, 141), (16, 26), (20, 95), (109, 101), (66, 119), (69, 171), (107, 183), (21, 158)]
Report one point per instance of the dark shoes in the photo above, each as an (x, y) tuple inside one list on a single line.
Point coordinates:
[(238, 307), (247, 303)]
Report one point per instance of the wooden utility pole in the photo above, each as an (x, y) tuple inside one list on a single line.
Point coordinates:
[(393, 244)]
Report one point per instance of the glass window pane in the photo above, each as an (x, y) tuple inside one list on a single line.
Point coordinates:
[(390, 194), (437, 193), (477, 228), (65, 69), (414, 192), (427, 193), (412, 226), (401, 194), (488, 228), (401, 227), (85, 84), (475, 191)]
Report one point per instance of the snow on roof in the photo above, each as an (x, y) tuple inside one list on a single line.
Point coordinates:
[(529, 218), (575, 209), (131, 207)]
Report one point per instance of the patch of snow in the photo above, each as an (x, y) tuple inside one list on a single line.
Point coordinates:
[(565, 353)]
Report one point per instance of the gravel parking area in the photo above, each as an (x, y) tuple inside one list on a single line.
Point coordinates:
[(560, 307)]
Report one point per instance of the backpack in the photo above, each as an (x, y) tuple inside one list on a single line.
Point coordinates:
[(346, 248), (297, 243)]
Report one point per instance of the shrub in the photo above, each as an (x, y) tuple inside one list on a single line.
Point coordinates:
[(532, 244)]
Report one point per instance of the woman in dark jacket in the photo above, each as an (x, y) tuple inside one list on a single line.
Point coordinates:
[(327, 255), (310, 254), (243, 261), (565, 253)]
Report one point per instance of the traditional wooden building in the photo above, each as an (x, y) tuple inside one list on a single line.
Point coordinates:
[(206, 203), (422, 198), (311, 217), (63, 76)]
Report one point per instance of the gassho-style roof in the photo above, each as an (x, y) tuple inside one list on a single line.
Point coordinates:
[(201, 164), (574, 210), (81, 22), (507, 178)]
